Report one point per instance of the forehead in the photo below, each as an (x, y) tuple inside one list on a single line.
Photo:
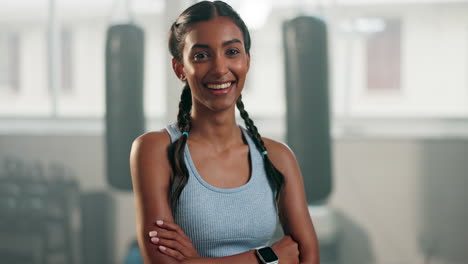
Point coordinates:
[(213, 32)]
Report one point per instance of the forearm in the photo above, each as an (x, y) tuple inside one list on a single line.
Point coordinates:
[(309, 254), (310, 260), (247, 257)]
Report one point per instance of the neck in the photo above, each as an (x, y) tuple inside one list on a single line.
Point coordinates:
[(218, 129)]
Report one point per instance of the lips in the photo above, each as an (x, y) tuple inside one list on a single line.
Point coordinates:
[(218, 86)]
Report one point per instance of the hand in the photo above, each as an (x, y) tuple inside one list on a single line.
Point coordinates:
[(287, 250), (173, 241)]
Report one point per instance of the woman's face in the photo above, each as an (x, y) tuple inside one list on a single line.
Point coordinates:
[(215, 63)]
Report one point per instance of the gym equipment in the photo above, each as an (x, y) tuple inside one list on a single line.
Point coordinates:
[(39, 216), (125, 119), (308, 122), (98, 233), (308, 118)]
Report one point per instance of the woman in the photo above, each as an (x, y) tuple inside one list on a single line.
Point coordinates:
[(207, 190)]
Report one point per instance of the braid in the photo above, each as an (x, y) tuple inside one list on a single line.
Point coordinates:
[(176, 149), (275, 177), (185, 105)]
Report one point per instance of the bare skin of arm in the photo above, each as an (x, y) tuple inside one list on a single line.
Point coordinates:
[(151, 174), (292, 205)]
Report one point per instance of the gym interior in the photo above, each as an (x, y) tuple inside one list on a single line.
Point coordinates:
[(371, 95)]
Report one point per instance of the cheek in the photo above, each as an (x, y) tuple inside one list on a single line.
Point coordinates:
[(195, 70), (241, 68), (188, 69)]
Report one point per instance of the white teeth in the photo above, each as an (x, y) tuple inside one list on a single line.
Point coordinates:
[(219, 86)]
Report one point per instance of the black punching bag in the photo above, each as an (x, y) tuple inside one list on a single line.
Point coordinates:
[(308, 118), (124, 99)]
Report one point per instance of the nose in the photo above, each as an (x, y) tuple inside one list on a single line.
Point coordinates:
[(220, 65)]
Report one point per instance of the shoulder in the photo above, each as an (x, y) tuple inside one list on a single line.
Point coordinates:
[(152, 142), (280, 155), (149, 152)]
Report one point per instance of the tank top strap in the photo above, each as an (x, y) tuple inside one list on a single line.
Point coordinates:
[(254, 152), (174, 132)]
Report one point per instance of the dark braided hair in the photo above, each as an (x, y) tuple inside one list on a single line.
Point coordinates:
[(275, 177), (176, 150), (204, 11)]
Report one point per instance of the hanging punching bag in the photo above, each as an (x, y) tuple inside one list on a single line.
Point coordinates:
[(308, 119), (124, 99)]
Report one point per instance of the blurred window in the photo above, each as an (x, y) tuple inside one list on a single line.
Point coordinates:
[(9, 62), (387, 60), (67, 61), (25, 87), (401, 62), (384, 58)]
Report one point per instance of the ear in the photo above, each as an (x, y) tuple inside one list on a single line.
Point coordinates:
[(248, 61), (178, 68)]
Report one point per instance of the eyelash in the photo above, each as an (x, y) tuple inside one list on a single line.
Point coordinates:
[(233, 50), (230, 52), (196, 56)]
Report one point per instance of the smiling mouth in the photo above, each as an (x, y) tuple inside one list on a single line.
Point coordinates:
[(218, 86)]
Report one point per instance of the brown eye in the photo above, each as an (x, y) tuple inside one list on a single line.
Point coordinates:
[(200, 56), (232, 52)]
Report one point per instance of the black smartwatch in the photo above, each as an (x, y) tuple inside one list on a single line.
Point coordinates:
[(267, 255)]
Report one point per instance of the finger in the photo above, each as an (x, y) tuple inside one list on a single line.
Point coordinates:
[(154, 240), (162, 233), (171, 226), (186, 251), (172, 235), (170, 252), (172, 244)]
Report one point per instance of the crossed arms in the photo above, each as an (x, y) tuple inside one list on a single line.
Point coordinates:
[(151, 175)]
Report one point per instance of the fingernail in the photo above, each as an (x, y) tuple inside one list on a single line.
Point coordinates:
[(154, 239), (153, 233), (159, 222), (162, 247)]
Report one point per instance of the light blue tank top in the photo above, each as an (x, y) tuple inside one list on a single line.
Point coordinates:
[(223, 222)]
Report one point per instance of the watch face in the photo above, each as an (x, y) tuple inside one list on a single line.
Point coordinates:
[(267, 254)]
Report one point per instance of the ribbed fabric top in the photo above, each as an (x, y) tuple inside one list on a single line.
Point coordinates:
[(226, 221)]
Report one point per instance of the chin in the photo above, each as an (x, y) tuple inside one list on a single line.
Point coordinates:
[(221, 107)]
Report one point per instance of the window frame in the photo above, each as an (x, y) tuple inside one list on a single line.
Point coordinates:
[(11, 85)]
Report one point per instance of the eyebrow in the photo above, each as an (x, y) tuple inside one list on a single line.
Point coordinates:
[(204, 46)]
